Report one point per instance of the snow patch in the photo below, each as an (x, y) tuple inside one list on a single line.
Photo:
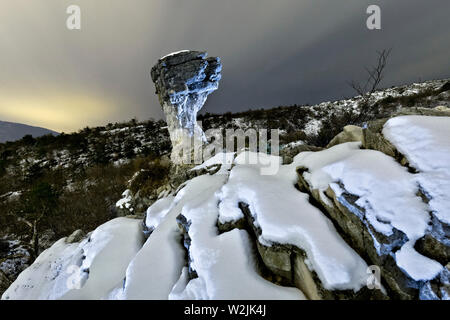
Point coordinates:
[(425, 142), (125, 202)]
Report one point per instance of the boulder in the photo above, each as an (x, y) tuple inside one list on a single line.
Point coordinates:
[(374, 139), (350, 133), (288, 154), (76, 236)]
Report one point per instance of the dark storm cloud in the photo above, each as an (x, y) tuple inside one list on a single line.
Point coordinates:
[(274, 53)]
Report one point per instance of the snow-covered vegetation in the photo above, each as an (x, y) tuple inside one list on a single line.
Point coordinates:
[(221, 230), (237, 215)]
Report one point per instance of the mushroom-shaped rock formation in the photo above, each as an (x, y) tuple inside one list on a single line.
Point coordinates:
[(183, 81)]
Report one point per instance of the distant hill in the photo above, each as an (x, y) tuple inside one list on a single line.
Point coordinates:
[(10, 131)]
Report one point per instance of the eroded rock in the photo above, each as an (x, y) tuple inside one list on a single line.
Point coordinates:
[(183, 81)]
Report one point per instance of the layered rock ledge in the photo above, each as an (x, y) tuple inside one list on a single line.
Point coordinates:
[(391, 203)]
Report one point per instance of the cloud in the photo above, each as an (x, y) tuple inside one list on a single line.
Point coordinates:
[(274, 52)]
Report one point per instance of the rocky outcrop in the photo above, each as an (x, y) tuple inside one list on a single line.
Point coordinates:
[(436, 241), (288, 265), (137, 203), (349, 214), (372, 137), (359, 234), (183, 81)]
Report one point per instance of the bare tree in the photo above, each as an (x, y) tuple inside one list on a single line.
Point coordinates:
[(375, 76)]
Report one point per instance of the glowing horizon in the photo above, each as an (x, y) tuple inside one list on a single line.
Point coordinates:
[(61, 112)]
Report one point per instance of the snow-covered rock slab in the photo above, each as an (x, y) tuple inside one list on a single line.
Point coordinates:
[(285, 217), (211, 253), (183, 80), (383, 195), (158, 265), (92, 269), (425, 142)]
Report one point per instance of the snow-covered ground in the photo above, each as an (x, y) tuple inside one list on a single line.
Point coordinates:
[(92, 269), (114, 262)]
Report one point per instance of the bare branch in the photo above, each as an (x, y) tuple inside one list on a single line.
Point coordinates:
[(375, 75)]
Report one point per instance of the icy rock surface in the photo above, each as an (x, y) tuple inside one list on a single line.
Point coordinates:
[(211, 254), (183, 80)]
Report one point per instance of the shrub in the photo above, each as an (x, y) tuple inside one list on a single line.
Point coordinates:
[(28, 140), (293, 136), (333, 126), (445, 87), (2, 167), (150, 176)]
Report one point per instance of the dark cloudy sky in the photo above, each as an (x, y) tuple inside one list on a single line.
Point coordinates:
[(275, 52)]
